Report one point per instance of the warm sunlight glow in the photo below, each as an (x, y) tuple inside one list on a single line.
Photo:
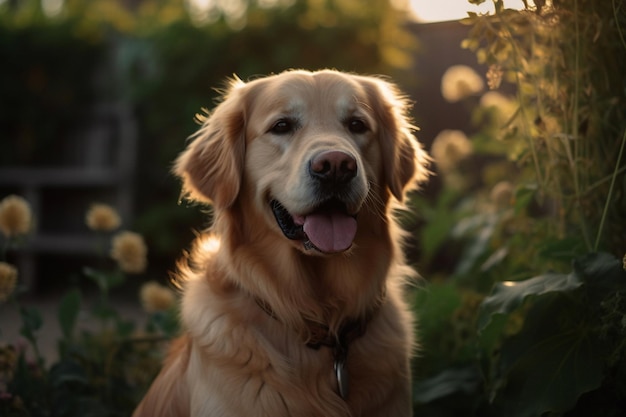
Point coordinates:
[(209, 243), (443, 10)]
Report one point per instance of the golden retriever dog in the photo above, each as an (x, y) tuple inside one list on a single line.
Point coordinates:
[(292, 302)]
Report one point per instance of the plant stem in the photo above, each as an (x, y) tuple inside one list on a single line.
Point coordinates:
[(518, 58), (610, 195), (575, 129), (5, 249), (603, 180), (619, 29)]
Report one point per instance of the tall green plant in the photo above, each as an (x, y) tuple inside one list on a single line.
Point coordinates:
[(566, 62), (548, 339)]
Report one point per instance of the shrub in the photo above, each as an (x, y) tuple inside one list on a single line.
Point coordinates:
[(102, 369), (532, 317)]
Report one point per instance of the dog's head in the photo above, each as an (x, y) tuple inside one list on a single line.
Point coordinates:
[(312, 150)]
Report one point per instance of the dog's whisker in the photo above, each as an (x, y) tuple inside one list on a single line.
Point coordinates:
[(374, 200)]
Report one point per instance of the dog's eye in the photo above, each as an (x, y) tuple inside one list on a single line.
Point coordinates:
[(357, 126), (282, 127)]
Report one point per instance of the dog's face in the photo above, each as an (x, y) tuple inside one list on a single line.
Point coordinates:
[(312, 151)]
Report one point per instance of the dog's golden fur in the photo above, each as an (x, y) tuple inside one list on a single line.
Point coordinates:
[(253, 296)]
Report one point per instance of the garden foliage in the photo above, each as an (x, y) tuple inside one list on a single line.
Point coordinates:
[(104, 361), (530, 319)]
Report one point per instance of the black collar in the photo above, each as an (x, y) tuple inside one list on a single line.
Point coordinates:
[(320, 334)]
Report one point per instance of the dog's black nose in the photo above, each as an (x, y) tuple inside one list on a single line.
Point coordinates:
[(333, 167)]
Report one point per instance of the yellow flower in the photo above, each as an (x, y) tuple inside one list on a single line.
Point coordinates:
[(102, 217), (15, 216), (156, 297), (459, 82), (8, 280), (624, 262), (449, 148), (130, 252)]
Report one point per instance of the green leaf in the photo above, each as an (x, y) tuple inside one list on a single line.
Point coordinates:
[(481, 228), (603, 274), (451, 381), (557, 356), (509, 295), (68, 312), (552, 361), (439, 222), (490, 335), (31, 322), (68, 372), (435, 304), (562, 250)]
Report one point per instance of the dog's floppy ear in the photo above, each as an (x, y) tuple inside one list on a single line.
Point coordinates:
[(211, 166), (405, 162)]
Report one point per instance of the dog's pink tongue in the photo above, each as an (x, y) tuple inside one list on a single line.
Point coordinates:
[(330, 231)]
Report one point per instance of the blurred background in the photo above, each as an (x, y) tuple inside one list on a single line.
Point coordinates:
[(99, 96), (520, 235)]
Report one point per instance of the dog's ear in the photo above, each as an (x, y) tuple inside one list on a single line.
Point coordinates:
[(211, 166), (405, 162)]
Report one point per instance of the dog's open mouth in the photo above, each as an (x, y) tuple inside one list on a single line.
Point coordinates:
[(329, 228)]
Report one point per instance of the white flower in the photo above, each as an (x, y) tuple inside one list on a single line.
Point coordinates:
[(459, 82), (156, 297), (449, 148), (504, 106)]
